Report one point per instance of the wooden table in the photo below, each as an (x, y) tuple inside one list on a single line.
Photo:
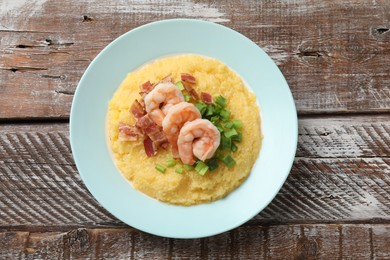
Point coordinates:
[(335, 56)]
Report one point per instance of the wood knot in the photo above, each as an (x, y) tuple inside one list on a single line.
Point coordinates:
[(87, 18), (382, 30), (48, 42)]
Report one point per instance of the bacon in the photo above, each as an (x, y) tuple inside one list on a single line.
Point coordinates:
[(160, 140), (142, 103), (146, 88), (153, 131), (147, 125), (188, 78), (191, 91), (206, 97), (137, 109), (149, 147), (128, 132)]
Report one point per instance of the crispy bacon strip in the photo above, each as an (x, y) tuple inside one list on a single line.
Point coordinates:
[(153, 131), (145, 88), (191, 91), (137, 109), (149, 147), (188, 78), (160, 140), (128, 132), (147, 125), (206, 97)]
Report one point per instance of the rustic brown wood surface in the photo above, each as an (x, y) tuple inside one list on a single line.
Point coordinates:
[(335, 56)]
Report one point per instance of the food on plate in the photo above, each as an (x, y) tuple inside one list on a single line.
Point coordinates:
[(184, 129), (198, 138)]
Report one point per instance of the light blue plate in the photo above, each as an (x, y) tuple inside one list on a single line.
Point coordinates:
[(146, 43)]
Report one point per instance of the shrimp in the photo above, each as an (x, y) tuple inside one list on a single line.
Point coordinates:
[(199, 138), (161, 99), (176, 117)]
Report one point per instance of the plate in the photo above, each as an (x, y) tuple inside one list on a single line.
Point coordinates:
[(169, 37)]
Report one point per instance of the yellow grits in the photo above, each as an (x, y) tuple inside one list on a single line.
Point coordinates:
[(188, 188)]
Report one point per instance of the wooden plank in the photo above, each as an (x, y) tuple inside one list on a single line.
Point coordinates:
[(256, 242), (343, 137), (40, 185), (332, 64)]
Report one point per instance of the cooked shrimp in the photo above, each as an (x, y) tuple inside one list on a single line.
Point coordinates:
[(161, 99), (176, 117), (199, 138)]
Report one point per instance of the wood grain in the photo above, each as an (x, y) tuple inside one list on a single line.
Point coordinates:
[(341, 173), (247, 242), (334, 54)]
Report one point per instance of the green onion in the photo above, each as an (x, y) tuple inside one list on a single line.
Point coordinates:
[(179, 170), (188, 167), (234, 147), (201, 168), (230, 133), (218, 110), (220, 100), (226, 143), (214, 119), (228, 160), (187, 97), (220, 129), (237, 138), (201, 107), (237, 124), (160, 168), (179, 85), (212, 164), (171, 162), (210, 110), (225, 114), (229, 125)]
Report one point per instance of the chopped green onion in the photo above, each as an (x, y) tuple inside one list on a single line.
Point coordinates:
[(218, 153), (229, 125), (201, 168), (218, 110), (188, 167), (220, 129), (201, 107), (160, 168), (226, 143), (171, 162), (230, 133), (228, 160), (210, 110), (220, 100), (237, 124), (237, 138), (234, 147), (225, 114), (187, 97), (179, 85), (179, 170), (214, 119), (212, 164)]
